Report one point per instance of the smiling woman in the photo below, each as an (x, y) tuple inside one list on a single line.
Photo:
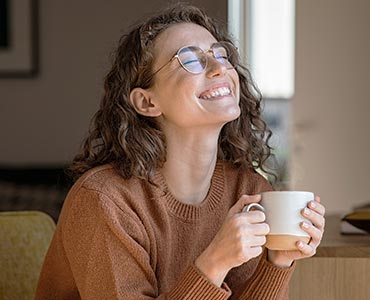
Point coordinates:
[(164, 174)]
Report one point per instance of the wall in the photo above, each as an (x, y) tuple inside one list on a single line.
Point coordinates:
[(43, 120), (331, 103)]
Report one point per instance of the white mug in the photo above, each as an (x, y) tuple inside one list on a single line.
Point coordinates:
[(283, 215)]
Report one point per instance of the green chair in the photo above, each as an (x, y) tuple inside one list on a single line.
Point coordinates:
[(24, 239)]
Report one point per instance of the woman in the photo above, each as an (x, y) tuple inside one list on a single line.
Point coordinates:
[(169, 164)]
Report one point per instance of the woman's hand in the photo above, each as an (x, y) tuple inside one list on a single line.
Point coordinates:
[(240, 238), (314, 212)]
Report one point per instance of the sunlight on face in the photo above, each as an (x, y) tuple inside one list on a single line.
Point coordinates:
[(187, 100)]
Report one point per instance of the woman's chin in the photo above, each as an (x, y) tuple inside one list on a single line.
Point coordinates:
[(231, 113)]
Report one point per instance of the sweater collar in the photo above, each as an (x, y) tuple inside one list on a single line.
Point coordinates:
[(190, 212)]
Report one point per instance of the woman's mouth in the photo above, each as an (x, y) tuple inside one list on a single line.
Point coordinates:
[(215, 93)]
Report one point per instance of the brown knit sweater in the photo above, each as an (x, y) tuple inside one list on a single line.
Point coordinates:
[(128, 239)]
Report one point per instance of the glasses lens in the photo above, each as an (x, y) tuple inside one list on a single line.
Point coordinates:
[(225, 53), (192, 59)]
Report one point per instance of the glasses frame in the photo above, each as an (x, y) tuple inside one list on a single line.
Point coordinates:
[(176, 56)]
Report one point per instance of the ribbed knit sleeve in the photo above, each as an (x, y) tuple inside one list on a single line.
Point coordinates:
[(268, 282), (193, 286)]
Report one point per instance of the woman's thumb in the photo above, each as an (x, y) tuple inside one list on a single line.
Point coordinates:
[(242, 202)]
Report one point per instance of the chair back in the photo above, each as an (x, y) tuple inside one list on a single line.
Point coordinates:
[(24, 239)]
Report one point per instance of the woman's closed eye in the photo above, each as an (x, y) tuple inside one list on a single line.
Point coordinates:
[(191, 62), (222, 59)]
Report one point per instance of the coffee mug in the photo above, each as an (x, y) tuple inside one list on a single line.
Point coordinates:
[(283, 215)]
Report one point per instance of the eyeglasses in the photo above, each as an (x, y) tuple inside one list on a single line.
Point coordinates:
[(195, 60)]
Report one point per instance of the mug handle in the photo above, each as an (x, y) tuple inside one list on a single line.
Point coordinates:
[(251, 205)]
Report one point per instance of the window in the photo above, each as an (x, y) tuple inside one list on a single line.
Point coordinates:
[(264, 33)]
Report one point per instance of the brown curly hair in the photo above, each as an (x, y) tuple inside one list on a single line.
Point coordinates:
[(134, 144)]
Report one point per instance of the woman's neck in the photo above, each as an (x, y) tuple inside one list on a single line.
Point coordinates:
[(189, 167)]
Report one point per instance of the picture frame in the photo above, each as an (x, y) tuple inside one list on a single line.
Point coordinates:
[(18, 38)]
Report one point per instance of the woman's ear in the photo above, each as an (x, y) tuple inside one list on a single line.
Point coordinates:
[(143, 104)]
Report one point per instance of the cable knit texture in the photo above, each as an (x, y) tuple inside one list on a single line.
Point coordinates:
[(132, 240)]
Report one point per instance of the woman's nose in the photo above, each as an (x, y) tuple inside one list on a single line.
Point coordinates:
[(215, 68)]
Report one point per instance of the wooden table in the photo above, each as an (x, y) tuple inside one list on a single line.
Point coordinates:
[(339, 270)]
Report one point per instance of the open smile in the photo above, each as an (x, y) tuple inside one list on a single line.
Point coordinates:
[(216, 91)]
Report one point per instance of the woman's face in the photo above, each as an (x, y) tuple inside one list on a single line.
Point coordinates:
[(189, 100)]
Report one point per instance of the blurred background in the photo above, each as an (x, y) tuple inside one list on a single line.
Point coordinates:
[(322, 125)]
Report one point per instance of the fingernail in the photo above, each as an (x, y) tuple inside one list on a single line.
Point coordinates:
[(312, 204), (300, 244), (307, 212), (305, 225)]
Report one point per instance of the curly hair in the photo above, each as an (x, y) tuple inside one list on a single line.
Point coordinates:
[(134, 144)]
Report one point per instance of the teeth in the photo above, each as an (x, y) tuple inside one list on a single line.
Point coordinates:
[(223, 91)]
